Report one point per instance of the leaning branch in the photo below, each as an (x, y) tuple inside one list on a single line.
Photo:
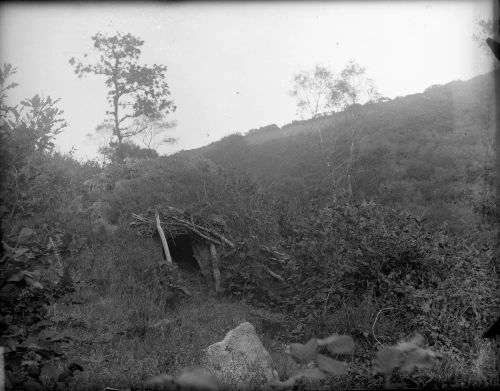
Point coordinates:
[(273, 274), (194, 229), (163, 239), (124, 118), (218, 235), (200, 228), (140, 218), (134, 132)]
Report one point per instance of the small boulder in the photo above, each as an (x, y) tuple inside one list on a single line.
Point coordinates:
[(240, 361)]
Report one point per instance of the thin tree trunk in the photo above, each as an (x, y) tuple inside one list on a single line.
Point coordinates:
[(349, 165), (350, 161), (116, 98), (321, 146), (325, 160)]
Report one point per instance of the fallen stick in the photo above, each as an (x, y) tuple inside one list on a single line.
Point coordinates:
[(273, 274), (141, 218)]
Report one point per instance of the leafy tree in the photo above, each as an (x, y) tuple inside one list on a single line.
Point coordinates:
[(34, 177), (29, 128), (153, 134), (352, 88), (134, 91), (312, 90), (349, 91), (6, 112), (41, 119), (319, 92)]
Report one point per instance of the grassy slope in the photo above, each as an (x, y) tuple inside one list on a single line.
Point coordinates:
[(120, 295), (118, 299), (424, 152)]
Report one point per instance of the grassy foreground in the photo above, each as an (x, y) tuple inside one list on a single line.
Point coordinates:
[(119, 300)]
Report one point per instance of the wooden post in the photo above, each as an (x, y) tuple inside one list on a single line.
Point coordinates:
[(163, 240), (215, 266)]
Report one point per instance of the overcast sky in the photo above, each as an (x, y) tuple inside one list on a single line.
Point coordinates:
[(230, 65)]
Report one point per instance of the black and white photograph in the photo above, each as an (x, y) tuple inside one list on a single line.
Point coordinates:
[(245, 195)]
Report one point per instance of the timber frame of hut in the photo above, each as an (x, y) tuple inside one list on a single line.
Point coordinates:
[(203, 239)]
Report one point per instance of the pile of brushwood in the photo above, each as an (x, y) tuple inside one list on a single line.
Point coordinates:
[(174, 222)]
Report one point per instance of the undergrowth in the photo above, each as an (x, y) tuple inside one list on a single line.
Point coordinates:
[(296, 272)]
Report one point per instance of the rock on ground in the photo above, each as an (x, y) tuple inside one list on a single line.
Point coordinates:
[(240, 361)]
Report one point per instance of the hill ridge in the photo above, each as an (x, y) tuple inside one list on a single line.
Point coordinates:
[(270, 132)]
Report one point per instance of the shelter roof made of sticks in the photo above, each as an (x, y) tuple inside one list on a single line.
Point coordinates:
[(176, 222)]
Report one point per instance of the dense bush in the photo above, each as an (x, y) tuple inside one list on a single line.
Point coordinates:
[(44, 183), (341, 254), (36, 180), (197, 186), (43, 224)]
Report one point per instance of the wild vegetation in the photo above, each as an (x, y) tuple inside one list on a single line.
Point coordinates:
[(335, 227), (430, 154)]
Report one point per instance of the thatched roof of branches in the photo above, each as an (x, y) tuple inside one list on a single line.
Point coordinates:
[(208, 227), (174, 222)]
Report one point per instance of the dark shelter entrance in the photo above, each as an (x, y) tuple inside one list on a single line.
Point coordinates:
[(181, 251), (191, 246)]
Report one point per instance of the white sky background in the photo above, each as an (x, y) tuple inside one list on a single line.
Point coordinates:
[(230, 65)]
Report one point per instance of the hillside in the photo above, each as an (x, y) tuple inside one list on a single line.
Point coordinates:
[(479, 87), (426, 152), (262, 229)]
